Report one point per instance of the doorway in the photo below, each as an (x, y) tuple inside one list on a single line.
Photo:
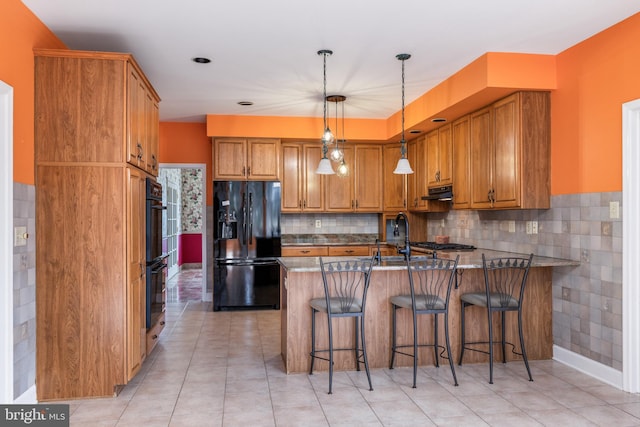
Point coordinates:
[(184, 227), (6, 239), (631, 246)]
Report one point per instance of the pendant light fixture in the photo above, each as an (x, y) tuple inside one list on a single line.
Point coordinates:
[(342, 170), (337, 154), (403, 167), (324, 167)]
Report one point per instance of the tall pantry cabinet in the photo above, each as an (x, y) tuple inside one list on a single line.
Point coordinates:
[(96, 141)]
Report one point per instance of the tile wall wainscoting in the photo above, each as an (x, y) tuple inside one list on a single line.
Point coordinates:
[(587, 300), (330, 223), (24, 291)]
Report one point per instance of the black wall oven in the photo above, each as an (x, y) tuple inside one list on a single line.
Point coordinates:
[(156, 259)]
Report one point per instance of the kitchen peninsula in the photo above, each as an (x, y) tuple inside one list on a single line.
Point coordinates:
[(301, 280)]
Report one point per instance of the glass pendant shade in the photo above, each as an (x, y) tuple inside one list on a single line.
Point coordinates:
[(324, 167), (403, 167), (327, 136), (336, 154), (343, 169)]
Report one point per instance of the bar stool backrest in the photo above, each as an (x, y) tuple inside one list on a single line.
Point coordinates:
[(431, 281), (505, 280), (346, 284)]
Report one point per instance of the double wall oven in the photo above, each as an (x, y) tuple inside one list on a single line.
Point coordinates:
[(155, 257)]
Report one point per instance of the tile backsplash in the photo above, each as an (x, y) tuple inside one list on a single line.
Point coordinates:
[(587, 300), (329, 223), (24, 291)]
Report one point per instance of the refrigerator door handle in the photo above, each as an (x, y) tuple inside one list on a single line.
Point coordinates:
[(244, 219), (254, 261), (250, 218)]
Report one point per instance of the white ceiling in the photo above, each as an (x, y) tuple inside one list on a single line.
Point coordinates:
[(266, 51)]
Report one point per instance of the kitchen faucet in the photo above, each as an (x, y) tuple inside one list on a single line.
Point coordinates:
[(407, 247)]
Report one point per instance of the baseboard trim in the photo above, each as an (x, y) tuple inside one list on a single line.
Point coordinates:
[(28, 397), (590, 367)]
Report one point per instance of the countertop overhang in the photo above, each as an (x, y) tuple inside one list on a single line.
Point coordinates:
[(468, 260)]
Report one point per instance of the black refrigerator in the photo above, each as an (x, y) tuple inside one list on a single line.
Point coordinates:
[(246, 273)]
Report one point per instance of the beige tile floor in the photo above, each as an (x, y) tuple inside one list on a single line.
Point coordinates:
[(225, 369)]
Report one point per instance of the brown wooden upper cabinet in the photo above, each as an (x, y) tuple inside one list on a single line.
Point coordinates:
[(113, 87), (302, 187), (461, 140), (395, 186), (417, 182), (367, 178), (253, 159), (339, 190), (510, 153), (439, 157)]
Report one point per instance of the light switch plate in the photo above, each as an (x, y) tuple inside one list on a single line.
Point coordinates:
[(614, 210), (20, 236)]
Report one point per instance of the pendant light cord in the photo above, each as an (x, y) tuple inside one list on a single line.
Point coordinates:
[(403, 141)]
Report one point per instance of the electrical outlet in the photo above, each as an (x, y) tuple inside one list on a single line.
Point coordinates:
[(318, 223), (532, 227), (614, 209), (20, 236), (512, 226)]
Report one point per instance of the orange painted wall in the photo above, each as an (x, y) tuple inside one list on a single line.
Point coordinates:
[(20, 32), (187, 143), (595, 77)]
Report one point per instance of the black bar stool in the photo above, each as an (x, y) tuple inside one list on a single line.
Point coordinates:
[(430, 283), (345, 295), (505, 279)]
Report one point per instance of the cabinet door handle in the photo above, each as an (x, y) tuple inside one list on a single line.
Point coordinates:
[(155, 337), (304, 204), (244, 171), (438, 176), (140, 152), (349, 251), (248, 170), (304, 251), (154, 162)]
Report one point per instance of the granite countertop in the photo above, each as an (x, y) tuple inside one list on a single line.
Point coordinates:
[(468, 260), (328, 239)]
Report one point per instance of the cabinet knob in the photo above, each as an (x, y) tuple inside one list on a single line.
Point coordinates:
[(155, 337)]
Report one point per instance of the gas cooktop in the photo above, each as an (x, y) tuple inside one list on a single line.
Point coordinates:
[(443, 246)]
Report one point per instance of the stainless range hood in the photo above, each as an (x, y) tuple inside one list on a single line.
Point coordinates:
[(443, 193)]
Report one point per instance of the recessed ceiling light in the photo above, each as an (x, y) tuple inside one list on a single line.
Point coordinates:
[(201, 60), (438, 120), (245, 103), (415, 131)]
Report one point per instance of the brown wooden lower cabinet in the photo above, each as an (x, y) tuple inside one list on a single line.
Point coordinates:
[(302, 286), (305, 251)]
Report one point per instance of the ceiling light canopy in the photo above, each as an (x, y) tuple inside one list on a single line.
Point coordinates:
[(403, 167)]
